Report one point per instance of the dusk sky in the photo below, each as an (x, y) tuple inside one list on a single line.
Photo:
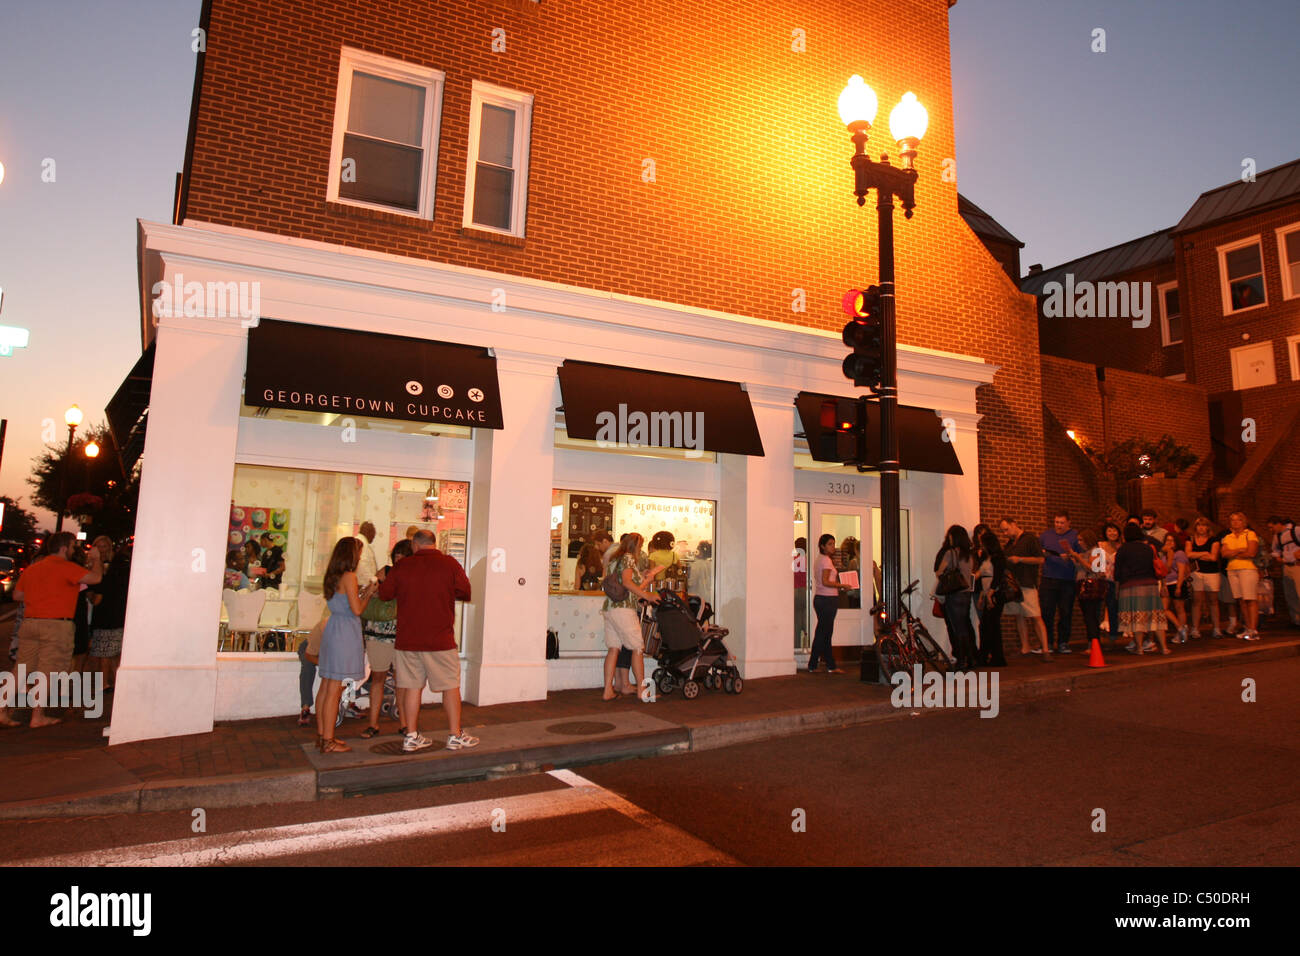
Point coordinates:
[(1071, 150)]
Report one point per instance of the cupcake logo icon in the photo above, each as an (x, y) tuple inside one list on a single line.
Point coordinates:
[(414, 388), (445, 391), (475, 394)]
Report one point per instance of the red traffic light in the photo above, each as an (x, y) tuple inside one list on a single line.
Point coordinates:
[(862, 303)]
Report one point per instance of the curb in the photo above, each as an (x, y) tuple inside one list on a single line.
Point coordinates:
[(301, 786)]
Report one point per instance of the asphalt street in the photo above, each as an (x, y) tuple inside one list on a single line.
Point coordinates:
[(1181, 772)]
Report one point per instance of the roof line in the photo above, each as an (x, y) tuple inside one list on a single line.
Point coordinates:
[(1090, 255)]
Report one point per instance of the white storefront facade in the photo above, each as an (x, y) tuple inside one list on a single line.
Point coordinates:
[(204, 447)]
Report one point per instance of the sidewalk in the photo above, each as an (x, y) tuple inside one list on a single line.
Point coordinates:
[(69, 769)]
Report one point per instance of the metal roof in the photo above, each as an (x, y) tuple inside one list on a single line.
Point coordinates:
[(1115, 261), (982, 224), (1273, 186)]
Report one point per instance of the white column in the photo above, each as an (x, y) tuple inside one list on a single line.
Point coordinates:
[(754, 541), (166, 685), (510, 521), (961, 493)]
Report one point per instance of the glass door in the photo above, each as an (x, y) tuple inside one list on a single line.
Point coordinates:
[(851, 528)]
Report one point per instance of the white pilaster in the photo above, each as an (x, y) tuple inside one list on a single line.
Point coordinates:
[(166, 685), (753, 547), (510, 511)]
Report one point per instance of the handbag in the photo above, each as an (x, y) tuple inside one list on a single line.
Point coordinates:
[(1011, 593), (937, 610), (1093, 589), (612, 584), (951, 581)]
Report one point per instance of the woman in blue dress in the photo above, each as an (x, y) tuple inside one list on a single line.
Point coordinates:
[(342, 649)]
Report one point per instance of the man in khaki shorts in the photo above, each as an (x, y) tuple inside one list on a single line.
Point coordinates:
[(427, 586), (48, 590), (1024, 558)]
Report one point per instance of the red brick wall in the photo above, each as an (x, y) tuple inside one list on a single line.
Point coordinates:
[(1212, 335), (753, 197), (1114, 342)]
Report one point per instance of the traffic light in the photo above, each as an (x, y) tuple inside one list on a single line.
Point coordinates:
[(864, 334), (842, 433)]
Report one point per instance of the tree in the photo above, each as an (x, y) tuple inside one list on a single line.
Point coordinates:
[(19, 523), (102, 499)]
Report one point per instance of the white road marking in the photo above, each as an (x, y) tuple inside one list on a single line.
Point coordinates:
[(248, 846)]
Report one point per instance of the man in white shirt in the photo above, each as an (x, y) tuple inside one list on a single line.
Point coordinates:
[(367, 569), (1286, 548)]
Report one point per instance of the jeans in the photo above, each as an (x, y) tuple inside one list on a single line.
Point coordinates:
[(1054, 593), (991, 633), (826, 606), (1092, 619), (306, 676), (956, 614), (1112, 609)]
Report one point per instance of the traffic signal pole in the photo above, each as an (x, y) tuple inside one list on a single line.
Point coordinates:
[(891, 555)]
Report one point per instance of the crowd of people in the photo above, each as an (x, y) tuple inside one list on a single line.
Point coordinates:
[(258, 564), (1143, 585), (70, 614)]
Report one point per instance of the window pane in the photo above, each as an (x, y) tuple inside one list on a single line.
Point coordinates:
[(1293, 248), (1171, 303), (492, 194), (1247, 293), (1243, 262), (386, 109), (385, 173), (1175, 329), (496, 141)]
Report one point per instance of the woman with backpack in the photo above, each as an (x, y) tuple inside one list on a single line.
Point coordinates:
[(953, 566), (624, 583), (990, 599)]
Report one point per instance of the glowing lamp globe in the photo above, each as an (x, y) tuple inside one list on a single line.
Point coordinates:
[(858, 103)]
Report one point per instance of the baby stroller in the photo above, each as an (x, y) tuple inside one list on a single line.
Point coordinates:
[(354, 702), (688, 648)]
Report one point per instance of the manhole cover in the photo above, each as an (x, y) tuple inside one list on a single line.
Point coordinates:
[(391, 748), (580, 728)]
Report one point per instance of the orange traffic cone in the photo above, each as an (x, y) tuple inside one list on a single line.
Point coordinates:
[(1094, 656)]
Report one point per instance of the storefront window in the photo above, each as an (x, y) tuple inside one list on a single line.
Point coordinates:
[(680, 529), (305, 513), (905, 533)]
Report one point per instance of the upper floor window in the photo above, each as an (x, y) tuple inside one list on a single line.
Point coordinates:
[(385, 149), (1241, 273), (1288, 255), (496, 184), (1171, 317)]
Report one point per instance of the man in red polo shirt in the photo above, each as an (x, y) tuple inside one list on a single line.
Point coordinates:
[(427, 586), (48, 589)]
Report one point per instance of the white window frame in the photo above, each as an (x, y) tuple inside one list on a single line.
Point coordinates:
[(522, 103), (1288, 290), (1293, 354), (1224, 289), (433, 81), (1165, 338), (1234, 355)]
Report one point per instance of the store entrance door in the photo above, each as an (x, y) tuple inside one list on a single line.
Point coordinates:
[(851, 527)]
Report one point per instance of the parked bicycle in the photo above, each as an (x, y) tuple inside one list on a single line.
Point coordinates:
[(907, 643)]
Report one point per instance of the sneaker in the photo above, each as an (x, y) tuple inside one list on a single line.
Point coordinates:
[(1250, 635), (1064, 649), (1036, 650), (461, 741), (1131, 647), (1148, 645), (413, 742)]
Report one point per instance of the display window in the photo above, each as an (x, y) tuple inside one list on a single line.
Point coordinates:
[(678, 533), (284, 524)]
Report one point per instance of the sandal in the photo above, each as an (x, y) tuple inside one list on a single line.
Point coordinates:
[(332, 745), (369, 732), (304, 717)]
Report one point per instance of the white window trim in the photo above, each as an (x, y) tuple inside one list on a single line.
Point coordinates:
[(351, 59), (1293, 354), (1224, 290), (1232, 359), (1288, 291), (522, 104), (1165, 338)]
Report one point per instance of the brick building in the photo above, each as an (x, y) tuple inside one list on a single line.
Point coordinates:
[(540, 202), (1217, 366)]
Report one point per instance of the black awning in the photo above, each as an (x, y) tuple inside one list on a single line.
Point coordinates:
[(631, 408), (317, 368), (921, 445), (128, 411)]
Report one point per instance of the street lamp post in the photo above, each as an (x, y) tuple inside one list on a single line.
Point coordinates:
[(73, 418), (907, 124)]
